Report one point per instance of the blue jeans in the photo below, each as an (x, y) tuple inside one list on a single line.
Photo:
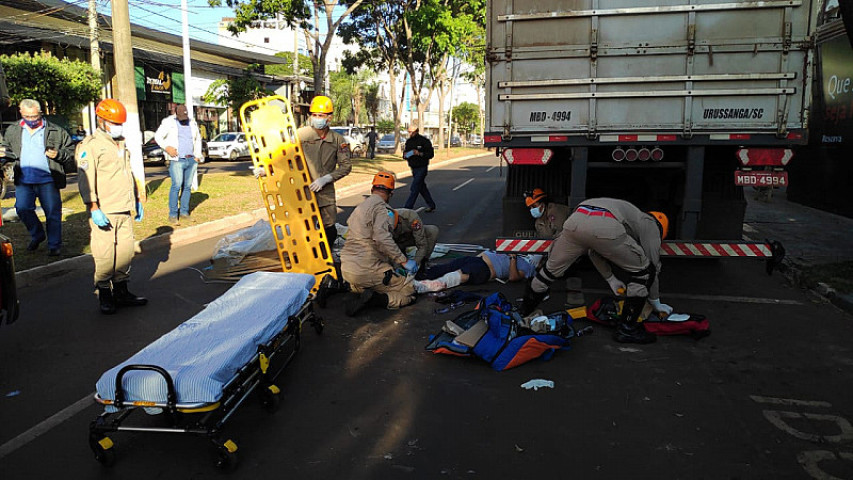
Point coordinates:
[(181, 171), (475, 267), (419, 186), (51, 203)]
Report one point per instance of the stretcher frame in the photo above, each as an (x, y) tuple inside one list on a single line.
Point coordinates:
[(206, 419)]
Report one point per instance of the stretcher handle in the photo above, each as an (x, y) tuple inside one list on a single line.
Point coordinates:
[(171, 397)]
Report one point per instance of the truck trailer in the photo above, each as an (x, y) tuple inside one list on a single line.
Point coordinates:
[(673, 105)]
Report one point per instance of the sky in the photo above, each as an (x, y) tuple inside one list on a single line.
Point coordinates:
[(165, 15)]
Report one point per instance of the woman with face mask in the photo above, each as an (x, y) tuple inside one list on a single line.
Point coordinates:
[(327, 154), (549, 216)]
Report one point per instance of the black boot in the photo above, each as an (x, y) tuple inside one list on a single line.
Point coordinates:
[(123, 298), (108, 303), (630, 330), (367, 298), (531, 300), (328, 287)]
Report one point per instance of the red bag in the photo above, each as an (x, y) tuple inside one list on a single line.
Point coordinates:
[(695, 325)]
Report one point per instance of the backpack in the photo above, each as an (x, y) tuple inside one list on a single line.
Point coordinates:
[(505, 343)]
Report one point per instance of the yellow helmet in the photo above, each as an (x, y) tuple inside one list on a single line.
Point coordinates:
[(321, 104), (663, 222)]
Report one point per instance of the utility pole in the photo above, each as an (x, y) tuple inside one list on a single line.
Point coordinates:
[(125, 91), (95, 58), (187, 65)]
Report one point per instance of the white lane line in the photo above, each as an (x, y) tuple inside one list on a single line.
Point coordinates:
[(491, 168), (466, 183), (46, 425)]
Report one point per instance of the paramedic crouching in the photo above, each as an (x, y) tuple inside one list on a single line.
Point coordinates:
[(369, 250), (611, 231)]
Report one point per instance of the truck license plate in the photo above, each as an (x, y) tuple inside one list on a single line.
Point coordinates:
[(761, 179)]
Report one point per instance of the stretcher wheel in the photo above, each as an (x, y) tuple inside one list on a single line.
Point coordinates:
[(271, 398), (103, 449), (226, 455)]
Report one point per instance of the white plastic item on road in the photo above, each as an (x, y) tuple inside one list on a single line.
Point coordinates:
[(234, 247), (537, 383)]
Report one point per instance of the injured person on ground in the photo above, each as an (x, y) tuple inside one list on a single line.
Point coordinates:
[(478, 269)]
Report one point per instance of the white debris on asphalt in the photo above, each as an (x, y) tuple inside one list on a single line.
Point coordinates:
[(537, 383)]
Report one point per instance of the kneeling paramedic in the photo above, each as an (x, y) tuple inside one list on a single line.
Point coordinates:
[(410, 231), (369, 256), (611, 231)]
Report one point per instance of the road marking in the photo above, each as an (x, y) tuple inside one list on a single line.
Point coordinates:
[(466, 183), (46, 425), (712, 298), (491, 168), (789, 401)]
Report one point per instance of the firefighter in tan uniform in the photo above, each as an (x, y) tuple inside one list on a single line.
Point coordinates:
[(327, 154), (410, 231), (108, 190), (370, 254), (549, 216), (612, 231)]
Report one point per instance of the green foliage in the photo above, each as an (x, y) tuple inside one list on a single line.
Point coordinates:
[(61, 86), (385, 126), (305, 66), (371, 100), (294, 12), (348, 94), (466, 116), (235, 92)]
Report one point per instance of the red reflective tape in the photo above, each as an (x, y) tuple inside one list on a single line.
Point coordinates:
[(757, 251), (720, 250), (702, 249), (739, 136), (667, 138), (627, 138), (558, 138), (667, 249)]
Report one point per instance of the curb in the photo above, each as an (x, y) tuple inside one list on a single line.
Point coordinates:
[(793, 272), (204, 231)]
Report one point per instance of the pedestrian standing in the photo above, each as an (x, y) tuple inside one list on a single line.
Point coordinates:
[(611, 231), (371, 143), (327, 154), (180, 139), (418, 152), (370, 255), (108, 190), (42, 152)]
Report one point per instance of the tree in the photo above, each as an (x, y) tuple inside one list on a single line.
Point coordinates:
[(234, 92), (304, 68), (62, 87), (466, 117), (385, 126), (371, 101), (295, 12)]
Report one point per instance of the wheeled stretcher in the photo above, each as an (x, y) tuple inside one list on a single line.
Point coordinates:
[(200, 372)]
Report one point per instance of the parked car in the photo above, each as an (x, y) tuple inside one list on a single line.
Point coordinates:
[(355, 137), (475, 140), (455, 141), (385, 144), (9, 305), (152, 153), (228, 145)]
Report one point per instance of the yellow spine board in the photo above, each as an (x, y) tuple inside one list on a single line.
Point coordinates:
[(292, 207)]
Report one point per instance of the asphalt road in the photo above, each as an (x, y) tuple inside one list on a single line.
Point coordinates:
[(763, 397)]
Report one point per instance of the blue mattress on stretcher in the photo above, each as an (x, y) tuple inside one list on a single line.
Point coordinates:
[(204, 353)]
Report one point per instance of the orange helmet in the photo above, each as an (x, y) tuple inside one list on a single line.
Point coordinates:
[(537, 195), (663, 223), (395, 217), (321, 104), (384, 181), (111, 110)]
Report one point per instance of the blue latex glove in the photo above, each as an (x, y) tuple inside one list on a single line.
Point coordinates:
[(140, 212), (411, 266), (660, 307), (100, 219)]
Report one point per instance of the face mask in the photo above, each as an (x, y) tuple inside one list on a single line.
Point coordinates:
[(114, 130), (536, 212), (319, 123), (33, 123)]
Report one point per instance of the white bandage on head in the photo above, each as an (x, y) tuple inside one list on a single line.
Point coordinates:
[(452, 279)]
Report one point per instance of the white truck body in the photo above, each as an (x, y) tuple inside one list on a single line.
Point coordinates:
[(586, 68)]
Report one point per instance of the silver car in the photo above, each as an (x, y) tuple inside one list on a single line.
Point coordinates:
[(228, 145), (385, 144)]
